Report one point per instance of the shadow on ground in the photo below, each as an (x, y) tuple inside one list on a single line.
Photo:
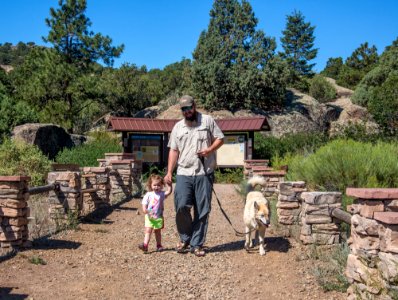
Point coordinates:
[(99, 215), (5, 294), (49, 243), (279, 244)]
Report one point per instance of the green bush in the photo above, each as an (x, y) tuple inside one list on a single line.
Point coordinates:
[(86, 155), (349, 77), (322, 90), (19, 158), (383, 104), (228, 175), (346, 163), (270, 147)]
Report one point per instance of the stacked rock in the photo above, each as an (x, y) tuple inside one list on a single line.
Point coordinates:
[(372, 265), (248, 164), (95, 188), (136, 177), (120, 177), (289, 203), (318, 226), (273, 179), (121, 186), (67, 201), (14, 212)]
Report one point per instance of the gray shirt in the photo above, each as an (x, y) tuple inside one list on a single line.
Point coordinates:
[(189, 140)]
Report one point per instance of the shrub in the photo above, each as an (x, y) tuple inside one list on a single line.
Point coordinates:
[(329, 271), (383, 104), (321, 89), (86, 155), (270, 147), (228, 175), (346, 163), (19, 158)]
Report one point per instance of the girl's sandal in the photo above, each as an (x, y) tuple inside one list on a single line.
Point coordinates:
[(199, 252), (182, 247)]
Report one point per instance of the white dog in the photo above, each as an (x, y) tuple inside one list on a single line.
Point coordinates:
[(257, 213)]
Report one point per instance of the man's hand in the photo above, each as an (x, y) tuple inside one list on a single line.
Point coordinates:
[(204, 152), (168, 179)]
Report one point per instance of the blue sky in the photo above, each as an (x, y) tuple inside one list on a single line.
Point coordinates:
[(160, 32)]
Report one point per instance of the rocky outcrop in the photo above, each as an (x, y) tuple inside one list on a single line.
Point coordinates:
[(49, 138), (302, 113)]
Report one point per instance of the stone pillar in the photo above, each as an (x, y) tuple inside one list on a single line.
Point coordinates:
[(317, 224), (136, 174), (372, 265), (67, 202), (289, 202), (121, 186), (14, 211), (95, 188), (250, 163), (273, 179), (120, 179)]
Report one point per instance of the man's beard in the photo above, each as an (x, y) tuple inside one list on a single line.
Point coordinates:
[(191, 118)]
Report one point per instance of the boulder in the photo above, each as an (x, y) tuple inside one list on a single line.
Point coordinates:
[(49, 138)]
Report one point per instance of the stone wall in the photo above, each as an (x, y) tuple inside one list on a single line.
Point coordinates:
[(311, 211), (317, 223), (96, 188), (125, 174), (14, 211), (67, 202), (372, 265), (289, 203)]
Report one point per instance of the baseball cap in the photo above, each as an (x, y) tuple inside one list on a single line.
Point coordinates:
[(186, 101)]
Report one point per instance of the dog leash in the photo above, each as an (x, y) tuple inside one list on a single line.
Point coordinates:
[(237, 233)]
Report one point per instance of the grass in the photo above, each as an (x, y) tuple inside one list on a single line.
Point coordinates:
[(329, 271), (37, 260)]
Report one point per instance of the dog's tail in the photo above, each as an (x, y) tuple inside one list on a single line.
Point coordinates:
[(252, 182)]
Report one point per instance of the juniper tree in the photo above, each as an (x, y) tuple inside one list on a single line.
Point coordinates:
[(234, 64)]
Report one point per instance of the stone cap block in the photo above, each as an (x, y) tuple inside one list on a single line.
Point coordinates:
[(65, 167), (387, 217), (14, 178), (95, 169), (261, 168), (120, 162), (271, 173), (373, 193)]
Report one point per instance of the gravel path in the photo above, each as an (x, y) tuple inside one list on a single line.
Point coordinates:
[(102, 261)]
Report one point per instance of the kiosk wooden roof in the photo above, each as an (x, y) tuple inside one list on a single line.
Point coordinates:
[(166, 125)]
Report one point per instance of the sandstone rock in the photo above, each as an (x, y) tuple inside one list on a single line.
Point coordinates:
[(317, 219), (360, 273), (388, 266), (321, 197), (364, 225), (389, 238)]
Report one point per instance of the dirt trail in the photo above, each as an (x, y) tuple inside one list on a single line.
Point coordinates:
[(102, 261)]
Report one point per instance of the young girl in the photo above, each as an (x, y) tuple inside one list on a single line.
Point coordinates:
[(153, 205)]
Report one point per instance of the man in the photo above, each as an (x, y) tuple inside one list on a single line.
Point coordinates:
[(193, 142)]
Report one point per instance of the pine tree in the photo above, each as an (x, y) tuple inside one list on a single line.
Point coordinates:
[(59, 81), (234, 65), (298, 44)]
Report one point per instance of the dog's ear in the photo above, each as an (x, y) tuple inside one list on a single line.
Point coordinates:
[(256, 205)]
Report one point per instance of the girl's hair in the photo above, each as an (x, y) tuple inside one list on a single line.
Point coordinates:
[(152, 178)]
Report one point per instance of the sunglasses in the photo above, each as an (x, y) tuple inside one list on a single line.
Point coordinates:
[(186, 108)]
